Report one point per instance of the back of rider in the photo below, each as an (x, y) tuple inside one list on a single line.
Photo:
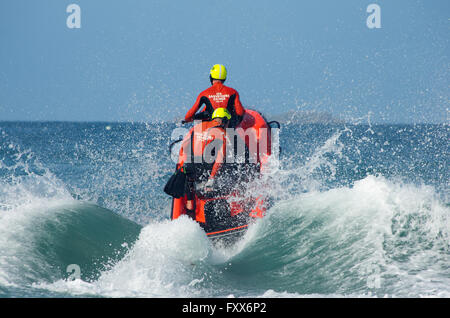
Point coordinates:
[(217, 96), (194, 145)]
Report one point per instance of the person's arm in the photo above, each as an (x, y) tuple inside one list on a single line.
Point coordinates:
[(190, 114), (219, 159), (239, 109), (182, 155), (185, 149)]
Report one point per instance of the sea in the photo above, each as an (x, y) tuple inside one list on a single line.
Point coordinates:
[(359, 210)]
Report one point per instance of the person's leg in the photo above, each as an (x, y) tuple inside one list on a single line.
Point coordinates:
[(190, 196), (189, 204)]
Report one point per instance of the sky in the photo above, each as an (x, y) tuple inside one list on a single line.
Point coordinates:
[(147, 60)]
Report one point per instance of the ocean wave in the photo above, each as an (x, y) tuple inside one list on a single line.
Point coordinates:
[(329, 234), (374, 239)]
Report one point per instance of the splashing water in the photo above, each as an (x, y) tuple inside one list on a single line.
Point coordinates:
[(359, 211)]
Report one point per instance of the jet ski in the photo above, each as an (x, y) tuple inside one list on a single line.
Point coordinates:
[(226, 212)]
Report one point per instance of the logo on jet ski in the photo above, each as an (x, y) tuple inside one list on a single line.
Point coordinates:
[(205, 136)]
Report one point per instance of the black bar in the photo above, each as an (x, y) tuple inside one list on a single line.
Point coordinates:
[(302, 307)]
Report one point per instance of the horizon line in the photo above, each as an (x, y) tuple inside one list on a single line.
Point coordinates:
[(175, 122)]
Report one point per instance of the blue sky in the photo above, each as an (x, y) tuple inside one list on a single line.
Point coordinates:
[(147, 60)]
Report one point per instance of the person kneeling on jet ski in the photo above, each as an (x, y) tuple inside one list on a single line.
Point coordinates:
[(215, 97), (207, 147)]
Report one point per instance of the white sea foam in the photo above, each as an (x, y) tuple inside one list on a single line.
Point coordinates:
[(351, 238)]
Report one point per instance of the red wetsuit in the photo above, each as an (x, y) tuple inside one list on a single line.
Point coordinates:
[(217, 96), (202, 135)]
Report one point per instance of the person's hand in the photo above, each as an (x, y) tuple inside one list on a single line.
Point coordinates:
[(209, 185)]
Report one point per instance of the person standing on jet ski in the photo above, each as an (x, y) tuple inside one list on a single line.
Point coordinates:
[(209, 144), (217, 96)]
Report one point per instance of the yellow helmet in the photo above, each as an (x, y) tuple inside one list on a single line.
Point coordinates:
[(218, 72), (221, 113)]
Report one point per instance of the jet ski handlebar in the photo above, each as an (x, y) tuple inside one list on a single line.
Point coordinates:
[(199, 116)]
